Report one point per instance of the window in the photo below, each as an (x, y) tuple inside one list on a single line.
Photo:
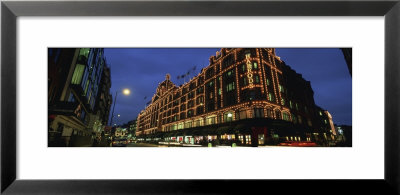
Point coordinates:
[(300, 119), (271, 97), (211, 120), (84, 52), (257, 78), (283, 102), (219, 91), (286, 116), (290, 104), (268, 82), (188, 125), (230, 87), (258, 113), (260, 139), (199, 122), (189, 113), (183, 115), (228, 117), (229, 60), (294, 119), (255, 65), (200, 100), (78, 72), (199, 110), (200, 90), (309, 122), (248, 139), (244, 81), (229, 74)]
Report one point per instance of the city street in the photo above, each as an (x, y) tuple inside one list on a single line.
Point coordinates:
[(144, 145)]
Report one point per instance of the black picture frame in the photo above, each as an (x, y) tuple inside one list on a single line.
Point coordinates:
[(10, 10)]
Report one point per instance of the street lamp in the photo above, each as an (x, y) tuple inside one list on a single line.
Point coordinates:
[(125, 92)]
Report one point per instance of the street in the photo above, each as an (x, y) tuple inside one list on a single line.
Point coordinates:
[(144, 145)]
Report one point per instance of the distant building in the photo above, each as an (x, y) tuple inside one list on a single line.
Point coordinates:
[(344, 135), (74, 81), (247, 95), (132, 126)]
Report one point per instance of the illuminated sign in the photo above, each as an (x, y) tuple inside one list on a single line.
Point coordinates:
[(249, 73)]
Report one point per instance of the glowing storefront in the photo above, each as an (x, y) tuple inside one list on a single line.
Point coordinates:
[(246, 95)]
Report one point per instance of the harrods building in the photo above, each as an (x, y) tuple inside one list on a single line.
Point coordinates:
[(246, 95)]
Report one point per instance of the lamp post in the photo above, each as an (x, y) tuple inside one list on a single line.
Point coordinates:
[(125, 92)]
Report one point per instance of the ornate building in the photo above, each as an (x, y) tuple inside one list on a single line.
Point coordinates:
[(246, 95)]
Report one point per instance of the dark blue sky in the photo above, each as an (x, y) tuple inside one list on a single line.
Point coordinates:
[(141, 70)]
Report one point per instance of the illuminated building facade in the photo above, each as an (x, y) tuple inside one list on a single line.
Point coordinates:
[(248, 95), (78, 96)]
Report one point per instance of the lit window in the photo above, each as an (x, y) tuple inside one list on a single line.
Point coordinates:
[(255, 66), (77, 76), (268, 82), (219, 91), (230, 87), (84, 52), (229, 73), (257, 79), (283, 102)]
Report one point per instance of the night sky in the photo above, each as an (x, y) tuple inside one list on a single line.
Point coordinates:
[(141, 70)]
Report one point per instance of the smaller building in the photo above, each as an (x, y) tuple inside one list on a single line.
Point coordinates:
[(78, 95), (344, 135)]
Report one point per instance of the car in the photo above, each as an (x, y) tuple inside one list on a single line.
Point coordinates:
[(119, 142)]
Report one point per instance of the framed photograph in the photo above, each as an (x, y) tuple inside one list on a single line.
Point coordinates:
[(226, 94)]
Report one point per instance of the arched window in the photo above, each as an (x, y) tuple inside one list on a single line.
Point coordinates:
[(228, 116)]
